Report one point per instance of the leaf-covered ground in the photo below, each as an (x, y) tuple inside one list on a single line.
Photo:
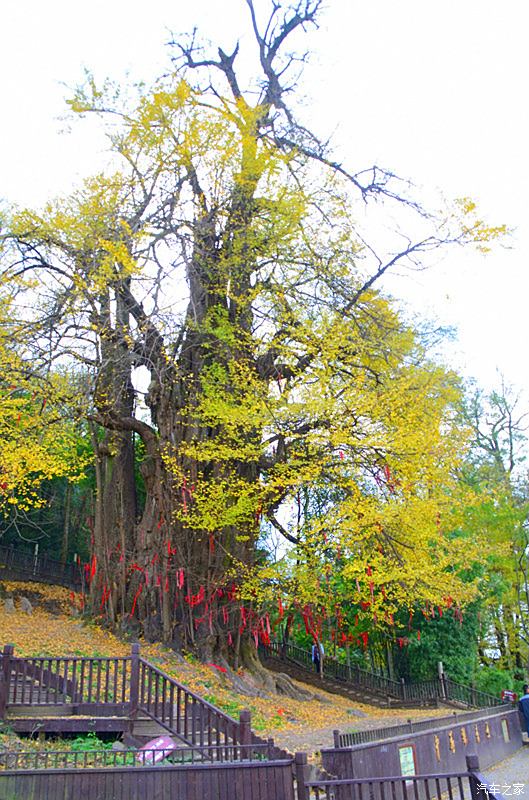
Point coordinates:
[(52, 630)]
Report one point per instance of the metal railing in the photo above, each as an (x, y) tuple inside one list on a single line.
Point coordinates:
[(21, 565)]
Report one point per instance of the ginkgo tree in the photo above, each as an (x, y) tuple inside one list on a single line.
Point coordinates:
[(38, 440), (225, 262)]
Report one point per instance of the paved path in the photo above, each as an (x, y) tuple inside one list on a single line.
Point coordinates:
[(313, 740), (514, 769)]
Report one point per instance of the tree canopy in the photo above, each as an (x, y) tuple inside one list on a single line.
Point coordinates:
[(215, 298)]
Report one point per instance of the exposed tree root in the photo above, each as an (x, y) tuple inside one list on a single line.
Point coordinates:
[(254, 680)]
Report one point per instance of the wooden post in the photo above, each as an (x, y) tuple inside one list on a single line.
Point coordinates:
[(270, 749), (134, 683), (472, 762), (245, 727), (5, 677), (300, 768), (336, 737), (475, 778)]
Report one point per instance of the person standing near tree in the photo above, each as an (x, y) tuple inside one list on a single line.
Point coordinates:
[(523, 705), (317, 652)]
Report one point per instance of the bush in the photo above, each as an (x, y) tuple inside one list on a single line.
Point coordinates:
[(494, 680)]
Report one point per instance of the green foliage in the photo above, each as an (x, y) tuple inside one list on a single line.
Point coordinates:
[(89, 741), (441, 639), (494, 681)]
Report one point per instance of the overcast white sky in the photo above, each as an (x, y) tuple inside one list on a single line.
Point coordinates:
[(434, 89)]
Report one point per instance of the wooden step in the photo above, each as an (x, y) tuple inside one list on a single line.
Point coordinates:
[(72, 724), (358, 693)]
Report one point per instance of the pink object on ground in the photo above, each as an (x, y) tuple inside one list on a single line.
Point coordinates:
[(162, 744)]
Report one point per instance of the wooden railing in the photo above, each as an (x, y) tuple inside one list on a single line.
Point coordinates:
[(469, 696), (455, 787), (185, 714), (233, 780), (467, 785), (442, 689), (336, 670), (21, 565), (79, 681), (233, 772), (90, 759), (127, 686)]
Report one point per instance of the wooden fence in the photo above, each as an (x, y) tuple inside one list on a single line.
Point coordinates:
[(434, 787), (440, 689), (183, 713), (247, 780), (95, 759), (251, 775), (465, 785), (223, 760), (121, 685)]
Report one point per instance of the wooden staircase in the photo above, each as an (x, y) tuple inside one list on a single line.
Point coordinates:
[(125, 696), (358, 694), (368, 687)]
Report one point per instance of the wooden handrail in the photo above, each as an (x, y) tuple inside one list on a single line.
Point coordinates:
[(436, 689)]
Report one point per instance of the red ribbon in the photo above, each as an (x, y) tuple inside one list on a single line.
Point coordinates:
[(217, 666), (136, 600)]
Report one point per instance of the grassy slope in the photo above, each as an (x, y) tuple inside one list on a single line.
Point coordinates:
[(52, 631)]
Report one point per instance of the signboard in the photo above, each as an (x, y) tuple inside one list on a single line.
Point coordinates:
[(407, 760), (505, 730), (155, 750)]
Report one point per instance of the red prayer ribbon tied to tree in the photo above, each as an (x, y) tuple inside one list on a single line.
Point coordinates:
[(90, 570), (104, 597), (135, 600), (187, 494), (218, 667), (196, 599)]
